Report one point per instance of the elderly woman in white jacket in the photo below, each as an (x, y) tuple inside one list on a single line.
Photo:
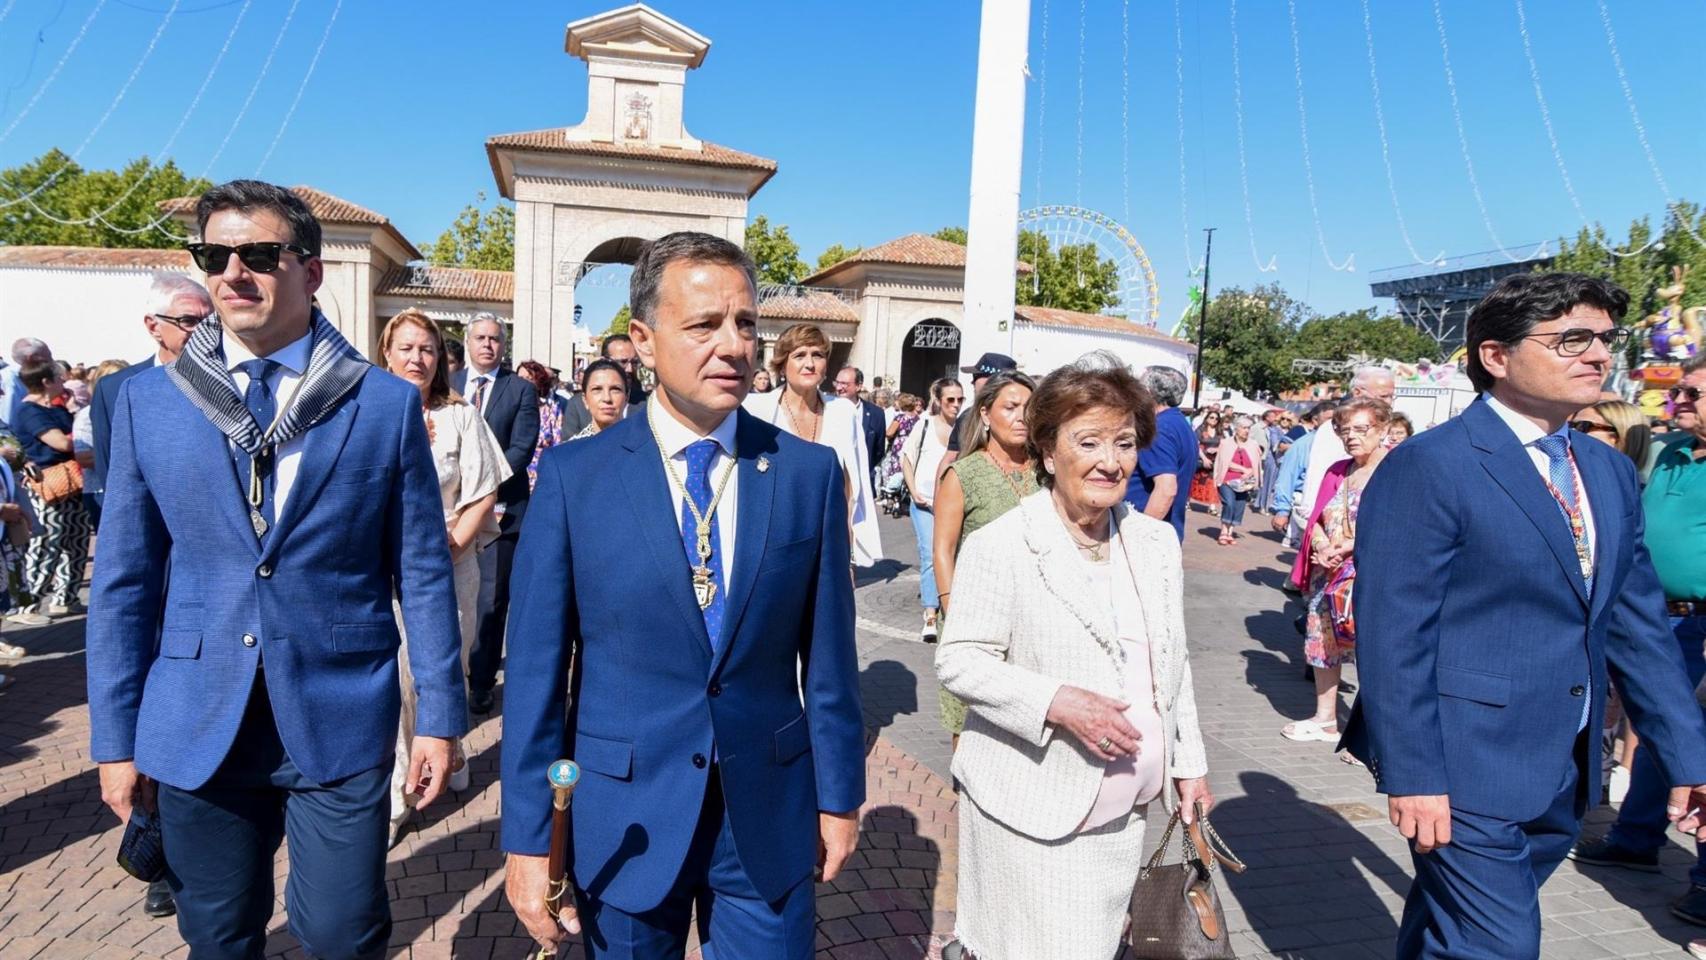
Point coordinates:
[(1068, 648)]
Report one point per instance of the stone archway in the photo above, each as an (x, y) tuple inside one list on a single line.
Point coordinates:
[(629, 172), (931, 350)]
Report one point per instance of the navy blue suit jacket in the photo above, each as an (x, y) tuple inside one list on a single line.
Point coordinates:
[(876, 433), (182, 580), (602, 593), (101, 423), (1476, 635)]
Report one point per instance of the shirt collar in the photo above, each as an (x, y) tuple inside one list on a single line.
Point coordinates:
[(292, 356), (1526, 432), (677, 436), (473, 374)]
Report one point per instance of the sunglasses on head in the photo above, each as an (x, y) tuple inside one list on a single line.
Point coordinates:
[(1692, 394), (256, 257), (1592, 426)]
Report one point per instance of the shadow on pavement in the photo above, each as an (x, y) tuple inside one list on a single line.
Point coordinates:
[(888, 689), (1302, 855), (40, 688), (1648, 893), (883, 571)]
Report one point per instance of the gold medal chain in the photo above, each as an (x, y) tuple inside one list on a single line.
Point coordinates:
[(701, 521)]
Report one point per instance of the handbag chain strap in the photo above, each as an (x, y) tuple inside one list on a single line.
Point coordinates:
[(1199, 841)]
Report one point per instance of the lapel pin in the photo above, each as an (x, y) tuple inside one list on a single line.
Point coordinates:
[(763, 464)]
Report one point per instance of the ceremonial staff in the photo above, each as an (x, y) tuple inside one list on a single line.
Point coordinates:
[(563, 776)]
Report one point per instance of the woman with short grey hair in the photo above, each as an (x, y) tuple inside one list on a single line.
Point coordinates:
[(1237, 473)]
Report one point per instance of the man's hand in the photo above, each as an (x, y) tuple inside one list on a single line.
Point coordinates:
[(837, 835), (1687, 809), (526, 882), (1280, 521), (123, 788), (429, 768), (1423, 819)]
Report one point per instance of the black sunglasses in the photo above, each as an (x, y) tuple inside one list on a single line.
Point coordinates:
[(257, 257), (1576, 341), (1692, 393), (185, 323), (1592, 426)]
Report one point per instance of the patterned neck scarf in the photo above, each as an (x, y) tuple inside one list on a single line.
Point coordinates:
[(334, 369)]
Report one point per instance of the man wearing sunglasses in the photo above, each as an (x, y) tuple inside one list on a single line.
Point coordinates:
[(1501, 578), (268, 494), (1675, 506)]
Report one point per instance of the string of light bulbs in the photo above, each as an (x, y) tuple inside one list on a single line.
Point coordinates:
[(1243, 164), (301, 87), (1552, 139), (1386, 146), (1078, 169), (1179, 118), (1349, 264), (53, 75), (123, 90), (1125, 111), (1463, 146)]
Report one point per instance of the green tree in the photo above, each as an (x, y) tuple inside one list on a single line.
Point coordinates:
[(1074, 277), (952, 235), (116, 200), (1344, 335), (619, 323), (1250, 339), (775, 253), (834, 255), (481, 241)]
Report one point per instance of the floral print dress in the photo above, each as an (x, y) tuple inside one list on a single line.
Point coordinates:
[(1325, 643)]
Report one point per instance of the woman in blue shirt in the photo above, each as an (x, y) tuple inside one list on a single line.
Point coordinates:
[(54, 563)]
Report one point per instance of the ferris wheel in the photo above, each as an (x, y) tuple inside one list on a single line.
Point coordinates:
[(1062, 225)]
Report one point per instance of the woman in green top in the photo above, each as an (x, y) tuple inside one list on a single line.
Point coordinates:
[(993, 473)]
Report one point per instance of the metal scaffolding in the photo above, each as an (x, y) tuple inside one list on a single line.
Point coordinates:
[(1436, 298)]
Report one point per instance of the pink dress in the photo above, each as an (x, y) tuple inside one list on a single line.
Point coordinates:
[(1129, 782)]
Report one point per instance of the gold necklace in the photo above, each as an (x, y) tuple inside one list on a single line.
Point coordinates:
[(704, 587), (1008, 475), (817, 425), (1093, 547)]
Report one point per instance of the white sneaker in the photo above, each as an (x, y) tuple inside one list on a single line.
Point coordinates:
[(28, 617)]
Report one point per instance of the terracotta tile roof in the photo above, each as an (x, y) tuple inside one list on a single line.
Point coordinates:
[(325, 207), (1052, 317), (112, 258), (808, 306), (914, 249), (448, 283), (554, 140)]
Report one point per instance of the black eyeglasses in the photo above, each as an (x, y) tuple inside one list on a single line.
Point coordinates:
[(1692, 393), (1576, 341), (257, 257), (185, 323), (1592, 426)]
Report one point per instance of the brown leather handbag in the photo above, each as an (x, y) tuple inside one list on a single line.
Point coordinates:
[(1175, 913)]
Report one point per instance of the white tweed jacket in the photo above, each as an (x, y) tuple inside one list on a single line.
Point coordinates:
[(1025, 624)]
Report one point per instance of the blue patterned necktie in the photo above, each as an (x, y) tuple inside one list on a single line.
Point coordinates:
[(699, 456), (263, 407), (1562, 478)]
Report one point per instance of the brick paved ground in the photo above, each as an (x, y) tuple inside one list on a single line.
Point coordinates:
[(1326, 879)]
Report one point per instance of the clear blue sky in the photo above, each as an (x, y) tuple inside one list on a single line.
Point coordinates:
[(867, 107)]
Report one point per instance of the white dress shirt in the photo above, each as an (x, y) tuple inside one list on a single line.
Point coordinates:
[(1529, 435), (474, 377), (677, 437), (292, 360)]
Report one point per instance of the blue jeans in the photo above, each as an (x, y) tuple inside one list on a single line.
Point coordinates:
[(924, 527), (1642, 823), (1232, 504)]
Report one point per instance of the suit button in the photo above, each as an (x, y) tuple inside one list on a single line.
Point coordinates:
[(699, 760), (716, 690), (248, 640), (1578, 690), (265, 571)]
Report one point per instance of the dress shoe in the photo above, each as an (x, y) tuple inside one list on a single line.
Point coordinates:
[(1691, 906), (1604, 853), (480, 702), (159, 902)]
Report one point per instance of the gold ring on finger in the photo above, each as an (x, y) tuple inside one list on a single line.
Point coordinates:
[(1105, 744)]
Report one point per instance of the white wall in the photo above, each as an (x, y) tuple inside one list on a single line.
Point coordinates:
[(84, 315)]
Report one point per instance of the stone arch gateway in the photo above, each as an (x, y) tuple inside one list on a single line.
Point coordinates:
[(629, 172)]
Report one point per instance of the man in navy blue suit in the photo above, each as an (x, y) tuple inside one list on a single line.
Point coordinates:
[(268, 494), (1502, 579), (683, 598)]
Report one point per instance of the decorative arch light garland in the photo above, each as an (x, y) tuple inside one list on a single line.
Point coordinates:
[(1641, 128), (1463, 145), (1243, 165), (1179, 118), (301, 87), (1349, 264), (1386, 146), (54, 73), (1552, 139)]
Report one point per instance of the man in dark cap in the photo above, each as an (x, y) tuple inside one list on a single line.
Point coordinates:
[(986, 366)]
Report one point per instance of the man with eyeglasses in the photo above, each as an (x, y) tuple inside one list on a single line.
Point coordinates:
[(271, 495), (1502, 577), (26, 352), (1675, 505)]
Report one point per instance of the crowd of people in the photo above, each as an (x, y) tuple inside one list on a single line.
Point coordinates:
[(318, 563)]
